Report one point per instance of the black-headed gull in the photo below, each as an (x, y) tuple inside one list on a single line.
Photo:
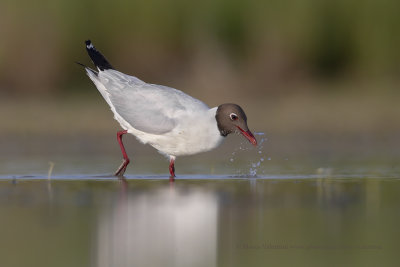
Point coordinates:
[(171, 121)]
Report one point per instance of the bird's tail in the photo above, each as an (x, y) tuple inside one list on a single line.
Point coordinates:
[(87, 68), (98, 59)]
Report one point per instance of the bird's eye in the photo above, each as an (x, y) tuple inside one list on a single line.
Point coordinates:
[(233, 116)]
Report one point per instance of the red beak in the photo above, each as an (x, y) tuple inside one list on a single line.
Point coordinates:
[(248, 135)]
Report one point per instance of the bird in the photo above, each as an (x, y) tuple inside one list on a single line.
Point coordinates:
[(169, 120)]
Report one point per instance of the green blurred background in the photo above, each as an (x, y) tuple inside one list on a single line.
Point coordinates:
[(315, 75), (262, 46)]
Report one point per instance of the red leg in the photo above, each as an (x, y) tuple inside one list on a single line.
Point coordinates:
[(172, 168), (121, 170)]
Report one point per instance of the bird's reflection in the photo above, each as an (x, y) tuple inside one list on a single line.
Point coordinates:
[(165, 226)]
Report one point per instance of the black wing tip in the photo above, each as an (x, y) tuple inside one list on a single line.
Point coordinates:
[(89, 45), (98, 59)]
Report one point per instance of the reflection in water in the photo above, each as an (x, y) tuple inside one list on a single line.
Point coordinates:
[(226, 222), (166, 227)]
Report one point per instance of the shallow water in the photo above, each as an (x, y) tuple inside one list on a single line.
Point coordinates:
[(235, 206), (103, 221)]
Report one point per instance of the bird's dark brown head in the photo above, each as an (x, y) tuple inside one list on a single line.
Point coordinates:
[(232, 119)]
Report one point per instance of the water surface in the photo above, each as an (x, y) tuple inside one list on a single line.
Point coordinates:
[(284, 203), (148, 221)]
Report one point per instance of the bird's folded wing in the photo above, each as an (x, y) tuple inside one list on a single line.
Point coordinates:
[(146, 107)]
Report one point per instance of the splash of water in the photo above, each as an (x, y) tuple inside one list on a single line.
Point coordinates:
[(254, 166)]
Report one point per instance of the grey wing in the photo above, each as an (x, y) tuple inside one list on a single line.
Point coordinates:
[(146, 107)]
